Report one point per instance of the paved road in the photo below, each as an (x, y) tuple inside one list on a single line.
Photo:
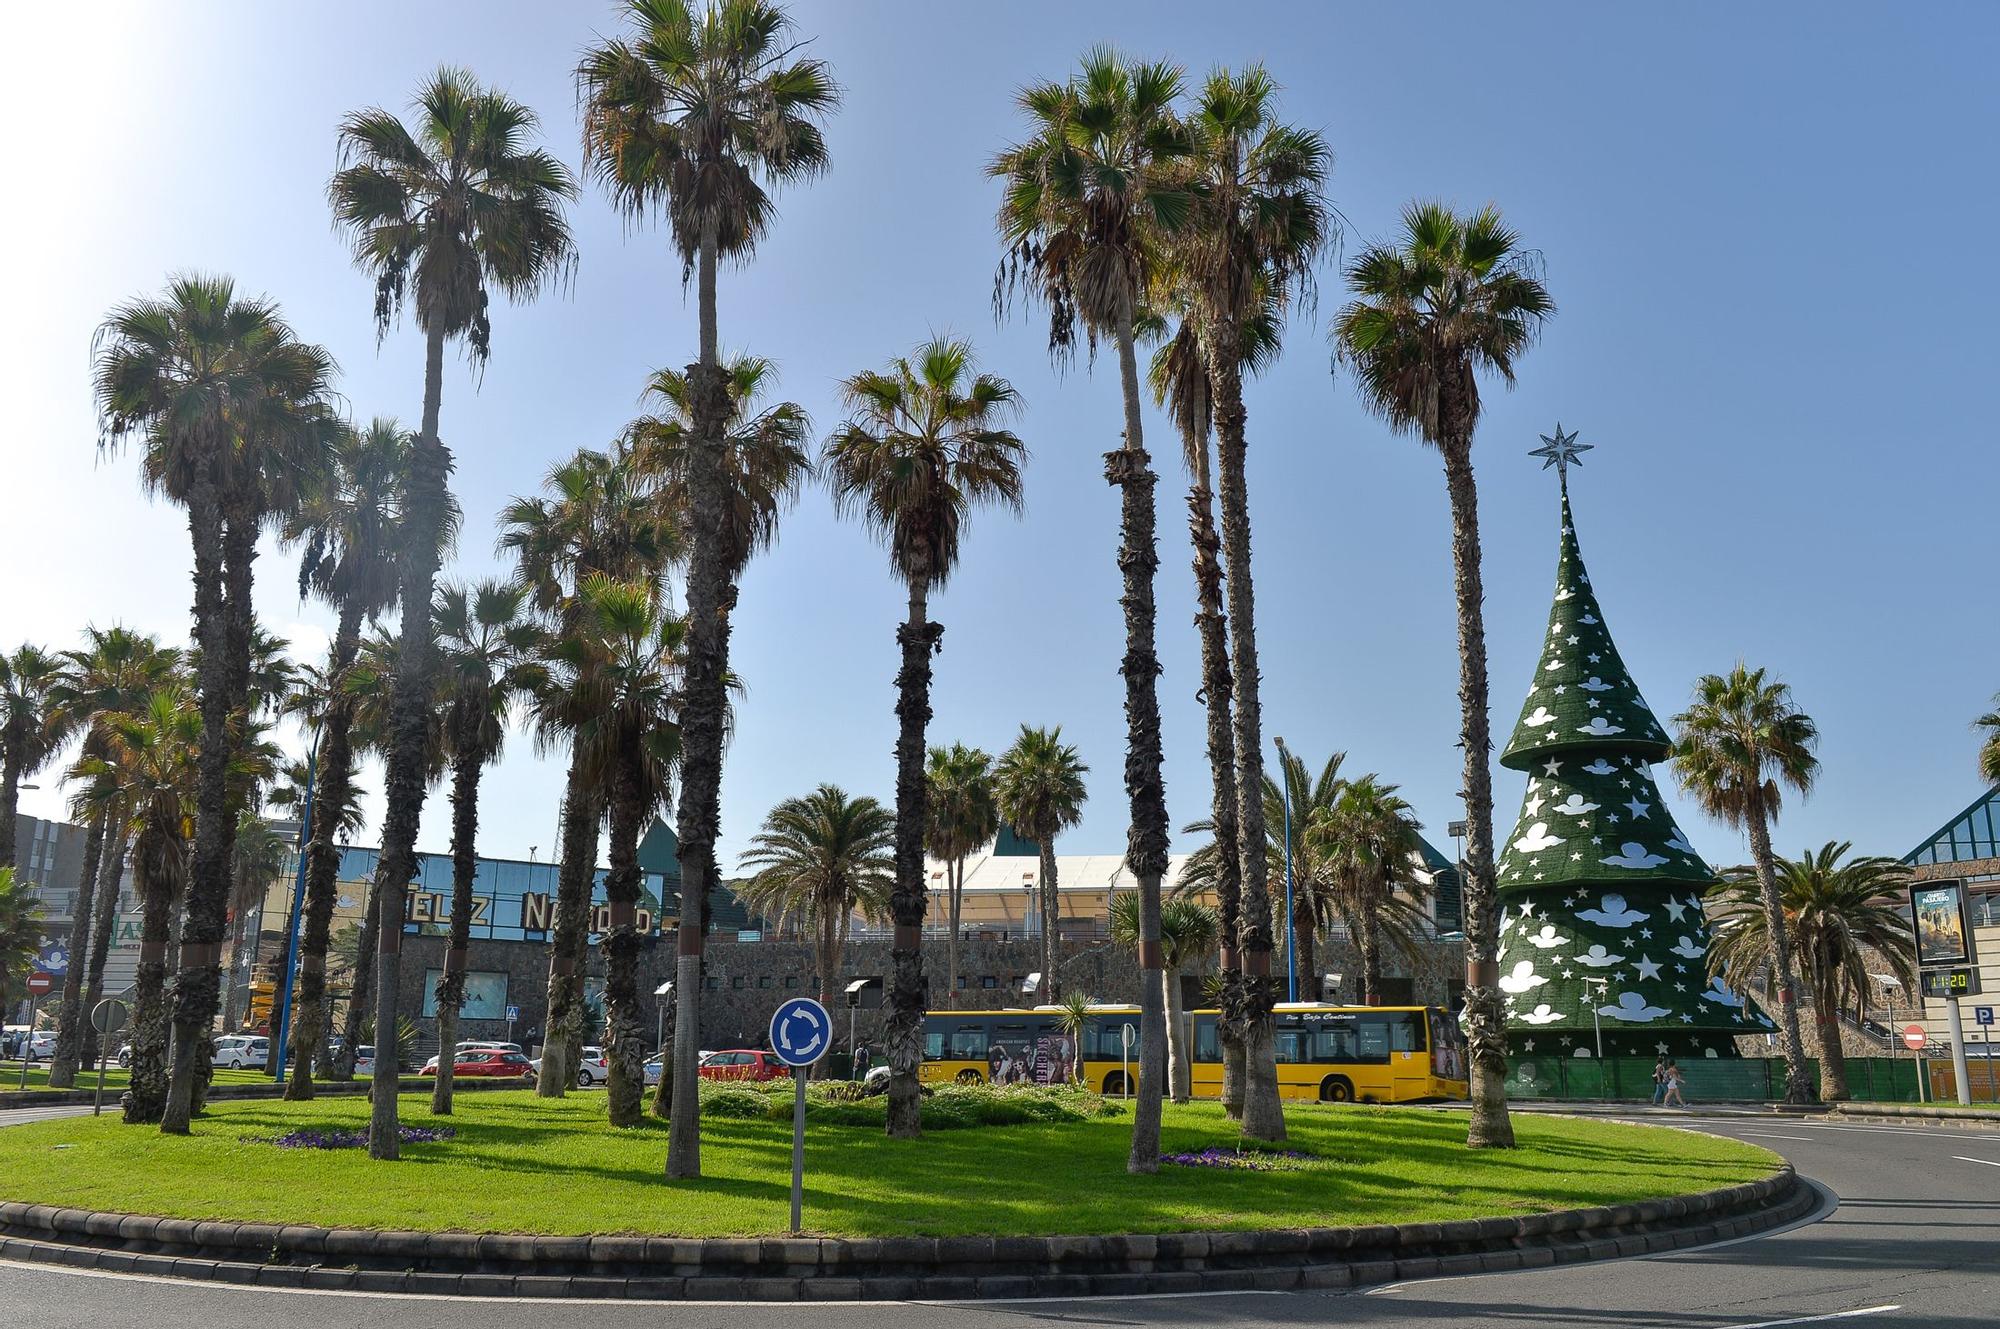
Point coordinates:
[(1915, 1241)]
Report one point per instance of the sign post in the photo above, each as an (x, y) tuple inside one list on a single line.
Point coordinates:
[(513, 1014), (107, 1018), (801, 1032), (1944, 943), (40, 984), (1914, 1038)]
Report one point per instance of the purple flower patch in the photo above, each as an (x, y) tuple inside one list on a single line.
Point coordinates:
[(345, 1139), (1242, 1160)]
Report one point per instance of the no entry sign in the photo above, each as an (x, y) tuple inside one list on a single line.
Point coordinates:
[(1914, 1037), (41, 984)]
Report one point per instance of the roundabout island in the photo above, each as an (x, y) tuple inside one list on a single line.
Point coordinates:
[(518, 1195)]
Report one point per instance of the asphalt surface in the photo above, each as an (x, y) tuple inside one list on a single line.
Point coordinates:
[(1915, 1240)]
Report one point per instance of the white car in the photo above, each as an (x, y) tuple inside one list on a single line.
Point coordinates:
[(364, 1060), (42, 1045), (241, 1052), (591, 1068)]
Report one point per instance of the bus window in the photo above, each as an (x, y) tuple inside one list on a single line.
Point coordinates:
[(1371, 1033), (1389, 1031), (1110, 1038), (1207, 1043), (1292, 1045), (1334, 1042), (933, 1044), (968, 1042), (1406, 1031)]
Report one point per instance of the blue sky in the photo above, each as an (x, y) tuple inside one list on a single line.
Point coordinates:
[(1749, 218)]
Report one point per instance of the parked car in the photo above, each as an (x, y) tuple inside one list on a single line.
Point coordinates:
[(364, 1059), (488, 1063), (241, 1052), (125, 1056), (743, 1064), (591, 1067), (42, 1045), (473, 1045)]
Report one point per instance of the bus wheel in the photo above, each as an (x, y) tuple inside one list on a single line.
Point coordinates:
[(969, 1077), (1336, 1089), (1114, 1085)]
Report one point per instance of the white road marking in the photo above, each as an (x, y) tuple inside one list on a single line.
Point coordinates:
[(1963, 1159), (1766, 1135), (1815, 1319)]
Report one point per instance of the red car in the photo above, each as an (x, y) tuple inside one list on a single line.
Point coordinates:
[(489, 1062), (743, 1064)]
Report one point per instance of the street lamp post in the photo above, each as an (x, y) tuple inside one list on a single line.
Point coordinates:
[(664, 991), (1291, 932), (284, 1026)]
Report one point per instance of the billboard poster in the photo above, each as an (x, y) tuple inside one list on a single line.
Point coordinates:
[(1044, 1058), (485, 995), (1939, 914)]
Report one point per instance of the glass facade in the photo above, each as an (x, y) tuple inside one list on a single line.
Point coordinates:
[(1973, 834), (511, 900)]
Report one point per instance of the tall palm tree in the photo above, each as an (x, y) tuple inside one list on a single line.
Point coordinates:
[(32, 728), (603, 516), (692, 117), (255, 860), (614, 689), (820, 860), (485, 644), (1180, 381), (1451, 297), (147, 772), (349, 525), (1038, 784), (1190, 931), (460, 204), (1089, 196), (924, 444), (1741, 738), (1258, 227), (1989, 749), (1843, 919), (111, 674), (961, 813), (1369, 839), (229, 409)]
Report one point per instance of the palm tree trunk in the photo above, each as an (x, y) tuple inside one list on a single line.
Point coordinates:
[(570, 937), (1832, 1056), (1798, 1076), (70, 1027), (1263, 1112), (1485, 1013), (709, 599), (1369, 937), (146, 1095), (10, 797), (467, 761), (360, 989), (1218, 691), (1180, 1078), (196, 983), (1130, 471), (624, 1040), (956, 883), (103, 924), (1305, 935), (403, 785), (909, 991), (1051, 926)]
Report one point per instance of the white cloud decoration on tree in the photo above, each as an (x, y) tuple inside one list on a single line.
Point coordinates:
[(1720, 995), (1635, 856), (1537, 839), (1542, 1014), (1547, 938), (1632, 1008), (1598, 958), (1523, 979), (1613, 912)]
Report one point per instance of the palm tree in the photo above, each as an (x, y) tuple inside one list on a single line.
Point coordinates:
[(693, 117), (1843, 919), (111, 674), (485, 642), (460, 204), (349, 525), (147, 773), (1089, 196), (960, 814), (1741, 738), (603, 517), (255, 860), (1038, 784), (32, 729), (1452, 297), (1189, 933), (1989, 750), (820, 860), (1180, 381), (21, 934), (922, 447), (1258, 227), (1073, 1014), (1369, 839), (229, 409), (614, 688)]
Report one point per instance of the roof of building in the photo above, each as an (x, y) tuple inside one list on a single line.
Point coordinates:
[(1972, 835), (988, 871)]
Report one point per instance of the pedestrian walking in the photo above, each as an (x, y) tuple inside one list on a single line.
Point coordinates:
[(1659, 1079), (862, 1061), (1674, 1082)]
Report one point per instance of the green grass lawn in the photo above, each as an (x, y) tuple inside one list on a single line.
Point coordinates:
[(523, 1164), (114, 1076)]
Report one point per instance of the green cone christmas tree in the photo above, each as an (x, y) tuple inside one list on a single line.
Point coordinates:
[(1601, 924)]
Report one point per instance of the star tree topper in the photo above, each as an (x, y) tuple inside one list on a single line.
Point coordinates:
[(1561, 451)]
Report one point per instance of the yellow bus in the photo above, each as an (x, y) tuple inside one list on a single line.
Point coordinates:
[(1332, 1054)]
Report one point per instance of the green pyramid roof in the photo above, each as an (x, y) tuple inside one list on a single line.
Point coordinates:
[(1583, 698)]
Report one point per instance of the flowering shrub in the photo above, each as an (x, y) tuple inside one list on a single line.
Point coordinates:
[(350, 1139), (1242, 1160)]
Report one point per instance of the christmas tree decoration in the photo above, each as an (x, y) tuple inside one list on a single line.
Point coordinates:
[(1602, 933)]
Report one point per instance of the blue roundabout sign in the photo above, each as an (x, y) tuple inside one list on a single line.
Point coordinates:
[(801, 1032)]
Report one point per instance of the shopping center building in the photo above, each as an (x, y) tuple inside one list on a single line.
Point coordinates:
[(1967, 849)]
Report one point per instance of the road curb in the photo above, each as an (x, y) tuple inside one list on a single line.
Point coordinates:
[(1889, 1114), (890, 1268)]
